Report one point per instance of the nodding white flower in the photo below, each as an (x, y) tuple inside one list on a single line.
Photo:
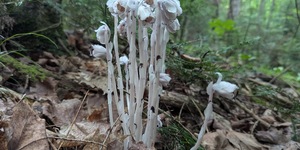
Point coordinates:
[(174, 26), (170, 9), (133, 4), (224, 88), (103, 33), (98, 51), (122, 27), (146, 14), (112, 6), (124, 60), (164, 79)]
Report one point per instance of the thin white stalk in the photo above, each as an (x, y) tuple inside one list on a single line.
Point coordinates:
[(132, 71), (120, 102), (208, 114), (109, 84), (150, 132), (139, 86)]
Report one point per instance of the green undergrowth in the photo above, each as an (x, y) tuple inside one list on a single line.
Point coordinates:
[(175, 136), (190, 71)]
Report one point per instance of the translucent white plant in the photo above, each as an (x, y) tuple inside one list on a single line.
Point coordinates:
[(141, 69), (223, 88)]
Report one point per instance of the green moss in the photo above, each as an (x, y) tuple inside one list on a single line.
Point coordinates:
[(35, 72)]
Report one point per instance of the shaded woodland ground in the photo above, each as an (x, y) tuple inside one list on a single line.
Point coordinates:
[(50, 100)]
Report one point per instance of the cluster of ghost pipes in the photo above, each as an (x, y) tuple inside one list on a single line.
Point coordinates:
[(138, 17)]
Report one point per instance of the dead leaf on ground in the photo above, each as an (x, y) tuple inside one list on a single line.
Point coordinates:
[(44, 90), (28, 131), (60, 113), (89, 79), (229, 140), (97, 108), (84, 131)]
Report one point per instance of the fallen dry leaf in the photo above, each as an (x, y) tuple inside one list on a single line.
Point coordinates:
[(243, 141), (89, 79), (28, 131), (61, 113), (44, 90), (97, 108), (230, 140), (83, 131)]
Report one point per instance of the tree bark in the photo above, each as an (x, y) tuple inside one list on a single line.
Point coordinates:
[(234, 9)]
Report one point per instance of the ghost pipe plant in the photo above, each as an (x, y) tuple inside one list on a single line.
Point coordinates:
[(223, 88), (208, 115), (143, 68)]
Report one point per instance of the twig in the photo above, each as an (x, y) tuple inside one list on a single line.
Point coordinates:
[(51, 144), (64, 47), (253, 127), (77, 140), (179, 116), (109, 132), (74, 119), (201, 114), (264, 123)]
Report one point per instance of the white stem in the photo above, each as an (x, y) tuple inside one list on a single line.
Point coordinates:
[(109, 73), (208, 113), (132, 71), (154, 86), (140, 85)]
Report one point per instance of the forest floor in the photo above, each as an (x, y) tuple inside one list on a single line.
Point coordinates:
[(68, 110)]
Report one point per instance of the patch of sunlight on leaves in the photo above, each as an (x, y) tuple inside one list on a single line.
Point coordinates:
[(175, 137)]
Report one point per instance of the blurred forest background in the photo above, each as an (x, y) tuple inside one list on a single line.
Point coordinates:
[(260, 36)]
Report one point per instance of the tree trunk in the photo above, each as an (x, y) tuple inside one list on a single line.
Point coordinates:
[(234, 9)]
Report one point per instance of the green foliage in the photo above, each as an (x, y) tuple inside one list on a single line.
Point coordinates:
[(220, 27), (175, 137)]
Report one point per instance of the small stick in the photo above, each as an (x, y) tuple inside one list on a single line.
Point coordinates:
[(77, 140), (74, 119), (264, 123), (109, 132)]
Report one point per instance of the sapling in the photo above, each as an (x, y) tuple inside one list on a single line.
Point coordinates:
[(142, 68)]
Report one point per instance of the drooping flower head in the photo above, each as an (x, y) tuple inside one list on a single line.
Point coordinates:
[(170, 9), (224, 88), (145, 14), (103, 33), (98, 51), (164, 79)]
